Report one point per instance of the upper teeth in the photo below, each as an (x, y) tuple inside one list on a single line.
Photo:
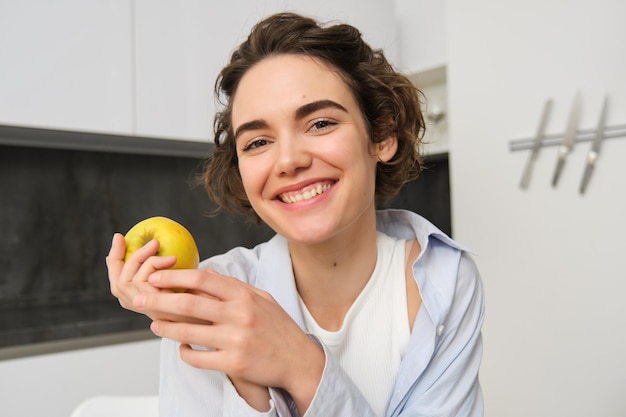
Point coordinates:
[(310, 193)]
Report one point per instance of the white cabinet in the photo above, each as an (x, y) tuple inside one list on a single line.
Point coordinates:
[(66, 64), (181, 46)]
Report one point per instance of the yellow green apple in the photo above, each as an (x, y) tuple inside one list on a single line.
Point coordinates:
[(174, 239)]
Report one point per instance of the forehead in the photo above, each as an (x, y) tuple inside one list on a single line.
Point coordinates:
[(288, 81)]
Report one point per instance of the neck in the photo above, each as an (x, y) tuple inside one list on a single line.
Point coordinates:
[(330, 275)]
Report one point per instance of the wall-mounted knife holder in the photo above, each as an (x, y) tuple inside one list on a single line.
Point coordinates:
[(554, 139), (566, 141)]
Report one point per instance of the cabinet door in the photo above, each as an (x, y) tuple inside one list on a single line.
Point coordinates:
[(181, 47), (66, 64)]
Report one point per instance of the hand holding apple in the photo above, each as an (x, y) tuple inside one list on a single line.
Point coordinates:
[(155, 244), (174, 240)]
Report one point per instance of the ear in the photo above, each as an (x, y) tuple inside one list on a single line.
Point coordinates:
[(386, 149)]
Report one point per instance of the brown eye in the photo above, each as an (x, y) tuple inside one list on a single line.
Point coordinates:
[(255, 144), (322, 124)]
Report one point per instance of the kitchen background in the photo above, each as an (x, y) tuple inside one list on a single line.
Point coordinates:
[(102, 84)]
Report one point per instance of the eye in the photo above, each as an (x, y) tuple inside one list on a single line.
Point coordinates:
[(255, 144), (322, 124)]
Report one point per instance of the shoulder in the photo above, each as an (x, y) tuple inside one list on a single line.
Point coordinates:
[(469, 280), (405, 224)]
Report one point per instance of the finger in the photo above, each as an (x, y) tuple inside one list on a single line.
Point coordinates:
[(134, 282), (115, 265), (197, 334), (151, 265), (187, 279), (204, 281), (115, 258), (143, 262), (202, 359), (118, 247), (139, 256), (225, 361), (124, 277), (184, 307)]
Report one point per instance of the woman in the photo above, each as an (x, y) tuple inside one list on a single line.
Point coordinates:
[(347, 311)]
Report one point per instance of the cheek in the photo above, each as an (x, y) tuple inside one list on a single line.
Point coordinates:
[(251, 177)]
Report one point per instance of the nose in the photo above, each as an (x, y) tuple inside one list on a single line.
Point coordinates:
[(292, 155)]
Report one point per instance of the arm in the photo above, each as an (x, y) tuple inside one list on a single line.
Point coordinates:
[(189, 391), (257, 396), (254, 341)]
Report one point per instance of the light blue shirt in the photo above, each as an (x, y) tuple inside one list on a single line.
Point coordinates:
[(438, 375)]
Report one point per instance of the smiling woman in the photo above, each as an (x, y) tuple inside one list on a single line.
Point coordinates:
[(349, 310)]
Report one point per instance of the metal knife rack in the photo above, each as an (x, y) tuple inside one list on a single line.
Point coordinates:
[(582, 135), (566, 141)]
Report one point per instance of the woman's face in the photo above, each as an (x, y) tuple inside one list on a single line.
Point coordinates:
[(306, 162)]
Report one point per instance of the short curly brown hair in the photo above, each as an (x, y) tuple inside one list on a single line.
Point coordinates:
[(389, 102)]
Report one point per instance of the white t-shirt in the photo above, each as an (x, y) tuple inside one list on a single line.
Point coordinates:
[(375, 332)]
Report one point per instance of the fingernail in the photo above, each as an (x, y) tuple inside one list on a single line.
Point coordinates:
[(154, 326), (139, 300)]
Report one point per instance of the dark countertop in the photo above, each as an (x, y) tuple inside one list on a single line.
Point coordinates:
[(26, 322)]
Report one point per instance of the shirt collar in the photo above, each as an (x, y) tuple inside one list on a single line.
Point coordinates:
[(404, 224), (275, 275)]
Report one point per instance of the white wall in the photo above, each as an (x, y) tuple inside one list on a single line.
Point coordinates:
[(551, 259), (52, 385)]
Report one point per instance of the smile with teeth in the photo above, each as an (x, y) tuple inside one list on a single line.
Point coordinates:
[(305, 194)]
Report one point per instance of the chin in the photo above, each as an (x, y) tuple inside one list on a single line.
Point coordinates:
[(309, 235)]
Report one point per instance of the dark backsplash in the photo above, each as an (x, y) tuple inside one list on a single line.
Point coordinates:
[(60, 208)]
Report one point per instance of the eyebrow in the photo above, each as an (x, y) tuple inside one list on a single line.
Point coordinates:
[(301, 112), (253, 125), (314, 106)]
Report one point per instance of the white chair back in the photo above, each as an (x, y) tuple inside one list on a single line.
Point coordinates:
[(118, 406)]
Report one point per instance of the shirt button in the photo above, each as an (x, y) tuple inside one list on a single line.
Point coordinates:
[(440, 329)]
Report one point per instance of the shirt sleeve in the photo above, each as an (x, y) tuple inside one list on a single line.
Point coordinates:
[(188, 391), (336, 394), (449, 385)]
